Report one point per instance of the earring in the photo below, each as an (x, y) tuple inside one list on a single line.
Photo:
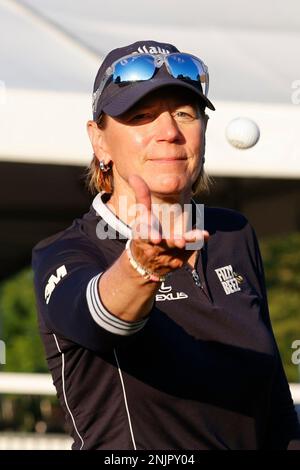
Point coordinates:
[(103, 167)]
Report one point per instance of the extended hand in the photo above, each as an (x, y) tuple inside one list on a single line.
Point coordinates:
[(151, 247)]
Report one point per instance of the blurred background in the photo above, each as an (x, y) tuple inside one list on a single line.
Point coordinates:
[(50, 51)]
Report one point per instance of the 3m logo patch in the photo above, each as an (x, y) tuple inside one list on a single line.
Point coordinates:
[(53, 281), (229, 279)]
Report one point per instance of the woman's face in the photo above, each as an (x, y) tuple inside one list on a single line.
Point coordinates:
[(161, 139)]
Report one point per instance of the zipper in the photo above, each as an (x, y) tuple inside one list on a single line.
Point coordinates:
[(196, 278), (198, 283)]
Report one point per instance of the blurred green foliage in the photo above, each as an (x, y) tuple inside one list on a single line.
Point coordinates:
[(18, 325), (281, 255)]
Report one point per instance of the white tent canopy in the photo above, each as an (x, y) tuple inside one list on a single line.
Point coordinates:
[(51, 50)]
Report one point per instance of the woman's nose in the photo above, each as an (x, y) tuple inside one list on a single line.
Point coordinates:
[(167, 128)]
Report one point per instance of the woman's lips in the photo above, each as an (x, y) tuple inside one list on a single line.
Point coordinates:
[(167, 159)]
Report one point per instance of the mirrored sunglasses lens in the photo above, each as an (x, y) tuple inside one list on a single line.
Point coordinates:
[(185, 67), (134, 69)]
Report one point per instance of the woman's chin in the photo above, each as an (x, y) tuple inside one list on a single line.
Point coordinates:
[(168, 184)]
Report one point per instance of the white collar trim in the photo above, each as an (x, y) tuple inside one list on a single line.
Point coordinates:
[(109, 217)]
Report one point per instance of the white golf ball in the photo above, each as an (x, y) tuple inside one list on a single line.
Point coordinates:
[(242, 133)]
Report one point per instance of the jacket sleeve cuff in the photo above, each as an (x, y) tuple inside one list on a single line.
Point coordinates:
[(104, 318)]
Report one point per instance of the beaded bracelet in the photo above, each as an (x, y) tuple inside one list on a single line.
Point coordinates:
[(145, 273)]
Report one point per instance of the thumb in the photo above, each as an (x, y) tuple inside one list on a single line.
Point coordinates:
[(146, 225), (141, 191)]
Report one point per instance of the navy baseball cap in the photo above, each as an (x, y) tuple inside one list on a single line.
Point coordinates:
[(115, 99)]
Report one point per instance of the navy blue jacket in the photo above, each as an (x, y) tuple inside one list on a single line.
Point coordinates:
[(201, 371)]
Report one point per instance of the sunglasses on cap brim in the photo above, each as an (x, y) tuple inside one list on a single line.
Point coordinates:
[(141, 67)]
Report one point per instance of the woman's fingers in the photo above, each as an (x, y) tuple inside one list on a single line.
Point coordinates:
[(197, 237), (178, 241), (151, 233)]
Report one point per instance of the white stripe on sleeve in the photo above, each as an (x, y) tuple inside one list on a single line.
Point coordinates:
[(104, 318)]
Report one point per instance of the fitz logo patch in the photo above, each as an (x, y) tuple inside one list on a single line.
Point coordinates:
[(229, 279), (53, 281)]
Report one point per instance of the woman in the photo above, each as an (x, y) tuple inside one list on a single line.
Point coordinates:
[(157, 332)]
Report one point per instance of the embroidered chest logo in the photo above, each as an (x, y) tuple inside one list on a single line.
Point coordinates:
[(165, 293), (53, 281), (229, 279)]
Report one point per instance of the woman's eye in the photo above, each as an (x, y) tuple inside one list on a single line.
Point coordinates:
[(184, 115), (141, 117)]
